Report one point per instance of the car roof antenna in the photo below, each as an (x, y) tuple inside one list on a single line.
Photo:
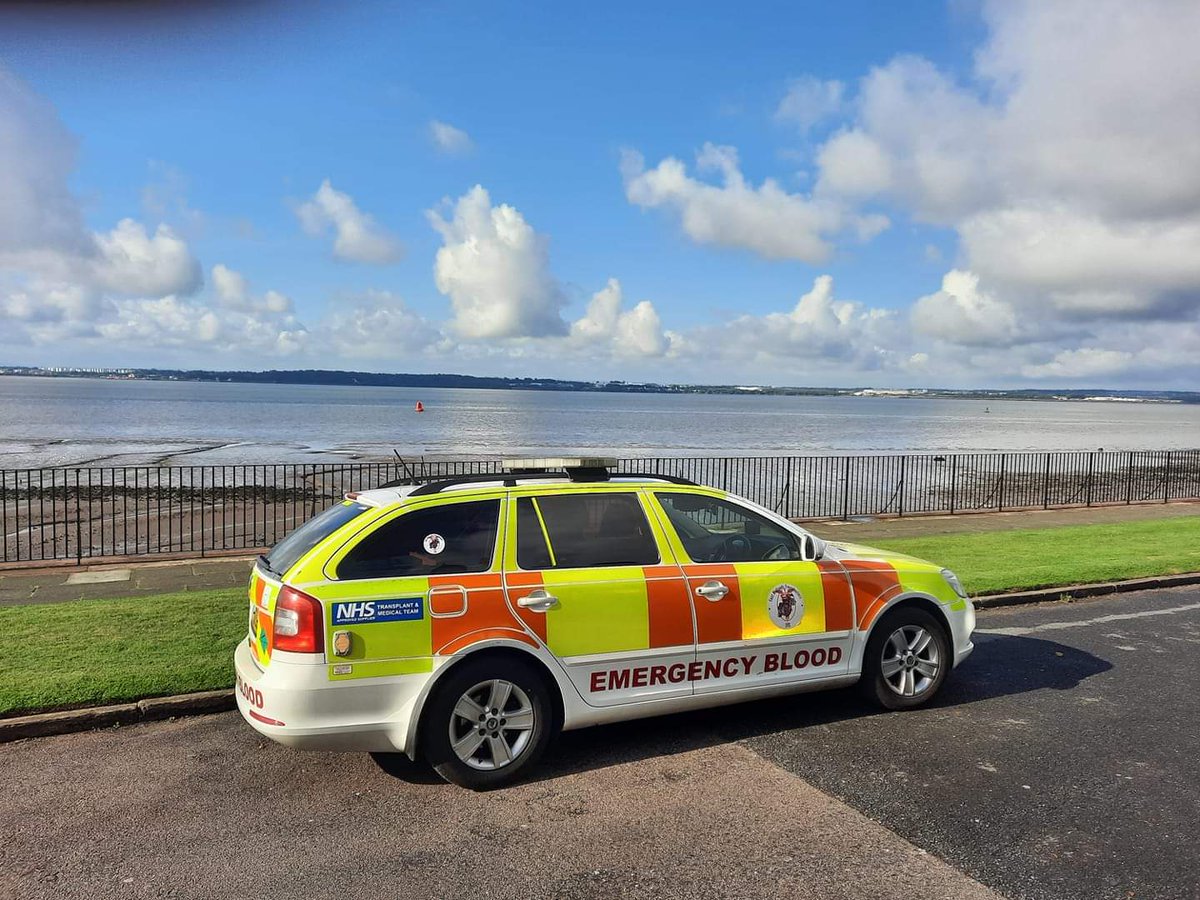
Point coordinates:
[(408, 473)]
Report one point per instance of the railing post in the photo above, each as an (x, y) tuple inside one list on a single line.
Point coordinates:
[(1091, 469), (1167, 479), (953, 482), (4, 513), (1003, 472), (1128, 477), (846, 489), (900, 503), (787, 487), (1046, 484), (78, 523)]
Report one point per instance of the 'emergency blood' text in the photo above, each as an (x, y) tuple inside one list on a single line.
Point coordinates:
[(701, 670)]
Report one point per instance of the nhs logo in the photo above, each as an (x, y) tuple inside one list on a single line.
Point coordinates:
[(363, 611)]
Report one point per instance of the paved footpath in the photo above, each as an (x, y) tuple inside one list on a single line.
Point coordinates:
[(202, 808), (57, 584), (1059, 762)]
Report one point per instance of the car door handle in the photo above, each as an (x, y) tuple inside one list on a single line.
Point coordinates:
[(538, 600), (712, 590)]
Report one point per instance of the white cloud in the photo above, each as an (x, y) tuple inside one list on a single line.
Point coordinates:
[(450, 140), (766, 220), (231, 287), (634, 332), (162, 322), (37, 157), (1086, 362), (378, 325), (853, 164), (357, 236), (495, 269), (810, 100), (233, 292), (820, 338), (1085, 263), (1069, 164), (962, 314), (133, 263)]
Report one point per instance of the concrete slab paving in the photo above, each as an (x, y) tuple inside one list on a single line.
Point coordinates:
[(102, 576)]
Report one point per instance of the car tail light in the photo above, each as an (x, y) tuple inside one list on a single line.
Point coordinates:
[(298, 622)]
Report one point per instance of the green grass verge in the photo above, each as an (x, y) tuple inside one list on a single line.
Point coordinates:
[(999, 561), (89, 652)]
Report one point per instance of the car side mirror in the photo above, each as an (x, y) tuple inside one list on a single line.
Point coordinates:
[(810, 548)]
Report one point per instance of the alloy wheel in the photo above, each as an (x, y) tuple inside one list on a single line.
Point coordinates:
[(911, 661), (491, 725)]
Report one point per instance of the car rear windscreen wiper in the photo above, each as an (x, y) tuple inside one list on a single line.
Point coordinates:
[(266, 564)]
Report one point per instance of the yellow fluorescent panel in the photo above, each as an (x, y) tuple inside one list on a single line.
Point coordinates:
[(757, 580), (599, 611)]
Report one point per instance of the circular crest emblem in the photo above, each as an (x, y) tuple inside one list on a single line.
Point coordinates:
[(785, 605), (434, 544)]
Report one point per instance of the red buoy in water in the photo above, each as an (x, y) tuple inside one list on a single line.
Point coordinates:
[(420, 406)]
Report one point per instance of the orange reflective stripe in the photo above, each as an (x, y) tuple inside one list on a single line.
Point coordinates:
[(519, 584), (719, 620), (874, 584), (489, 634), (839, 600), (486, 609), (668, 606)]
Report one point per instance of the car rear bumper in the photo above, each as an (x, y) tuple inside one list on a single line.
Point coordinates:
[(298, 706)]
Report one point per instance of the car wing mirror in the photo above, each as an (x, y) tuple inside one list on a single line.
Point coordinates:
[(811, 549)]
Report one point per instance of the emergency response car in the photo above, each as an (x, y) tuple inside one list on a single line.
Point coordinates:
[(467, 620)]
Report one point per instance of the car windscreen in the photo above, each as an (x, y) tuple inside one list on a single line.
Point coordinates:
[(288, 551)]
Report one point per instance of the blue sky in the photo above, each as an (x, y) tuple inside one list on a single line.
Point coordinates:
[(221, 123)]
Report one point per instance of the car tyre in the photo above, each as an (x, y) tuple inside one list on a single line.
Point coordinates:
[(487, 722), (907, 659)]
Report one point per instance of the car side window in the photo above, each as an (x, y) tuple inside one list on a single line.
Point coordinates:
[(439, 540), (575, 531), (713, 530)]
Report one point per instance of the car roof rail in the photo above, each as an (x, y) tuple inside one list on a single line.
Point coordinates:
[(510, 479), (656, 476)]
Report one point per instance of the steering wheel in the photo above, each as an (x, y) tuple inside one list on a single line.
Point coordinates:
[(781, 546), (737, 545)]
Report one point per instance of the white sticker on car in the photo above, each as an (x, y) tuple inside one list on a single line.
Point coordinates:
[(785, 605)]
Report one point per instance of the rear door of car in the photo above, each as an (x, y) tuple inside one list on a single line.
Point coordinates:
[(763, 615), (588, 573), (412, 584)]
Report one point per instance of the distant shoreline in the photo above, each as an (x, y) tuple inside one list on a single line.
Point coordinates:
[(338, 378)]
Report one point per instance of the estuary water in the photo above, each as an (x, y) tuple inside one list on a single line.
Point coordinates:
[(69, 421)]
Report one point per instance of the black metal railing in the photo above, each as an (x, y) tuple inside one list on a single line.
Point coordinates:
[(85, 513)]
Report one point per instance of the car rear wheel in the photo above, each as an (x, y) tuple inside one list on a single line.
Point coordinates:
[(487, 722), (907, 659)]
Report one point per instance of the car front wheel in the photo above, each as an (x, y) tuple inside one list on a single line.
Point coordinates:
[(907, 659), (487, 722)]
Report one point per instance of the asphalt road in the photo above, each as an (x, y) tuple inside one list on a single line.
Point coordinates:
[(1063, 760), (1058, 762)]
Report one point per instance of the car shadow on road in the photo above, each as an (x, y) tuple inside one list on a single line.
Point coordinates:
[(1001, 666)]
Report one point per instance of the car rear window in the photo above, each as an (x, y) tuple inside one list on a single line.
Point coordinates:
[(584, 531), (288, 551)]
